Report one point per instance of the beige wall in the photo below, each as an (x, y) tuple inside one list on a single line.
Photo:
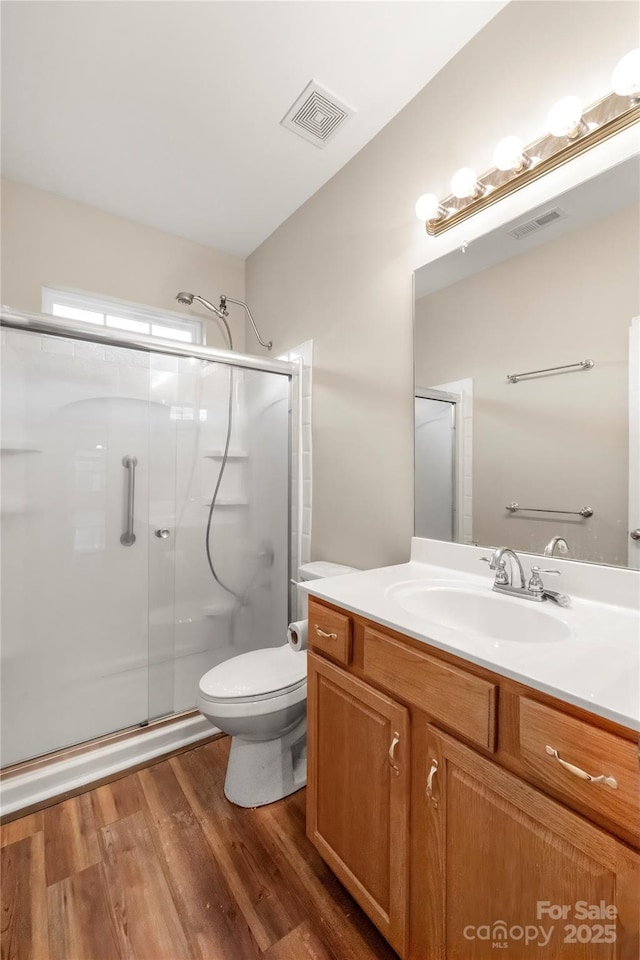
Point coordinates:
[(339, 270), (49, 240), (561, 441)]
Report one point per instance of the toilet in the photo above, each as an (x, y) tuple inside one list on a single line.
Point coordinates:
[(260, 699)]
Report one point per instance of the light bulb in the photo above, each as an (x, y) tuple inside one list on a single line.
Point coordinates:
[(626, 76), (565, 118), (428, 207), (464, 184), (509, 155)]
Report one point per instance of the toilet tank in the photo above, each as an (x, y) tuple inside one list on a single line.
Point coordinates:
[(318, 570)]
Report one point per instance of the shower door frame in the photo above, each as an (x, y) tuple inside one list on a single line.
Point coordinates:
[(51, 326), (193, 731)]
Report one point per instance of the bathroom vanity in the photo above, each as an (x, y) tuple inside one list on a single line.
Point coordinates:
[(470, 809)]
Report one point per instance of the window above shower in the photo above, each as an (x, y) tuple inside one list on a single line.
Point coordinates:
[(120, 315)]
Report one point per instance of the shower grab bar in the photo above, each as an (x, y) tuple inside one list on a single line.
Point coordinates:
[(128, 538), (567, 367), (514, 507)]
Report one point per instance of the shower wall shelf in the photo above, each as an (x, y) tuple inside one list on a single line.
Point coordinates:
[(226, 502), (16, 508), (221, 608), (10, 450), (219, 454), (190, 649)]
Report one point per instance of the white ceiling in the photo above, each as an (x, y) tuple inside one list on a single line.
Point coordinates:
[(169, 113)]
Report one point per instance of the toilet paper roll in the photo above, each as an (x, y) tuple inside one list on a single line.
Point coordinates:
[(297, 635)]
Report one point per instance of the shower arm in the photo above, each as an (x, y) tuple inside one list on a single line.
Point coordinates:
[(223, 307)]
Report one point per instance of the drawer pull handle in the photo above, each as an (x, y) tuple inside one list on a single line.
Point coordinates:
[(432, 773), (577, 772), (326, 636)]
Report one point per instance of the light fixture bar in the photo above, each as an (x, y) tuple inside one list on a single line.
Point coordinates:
[(603, 119)]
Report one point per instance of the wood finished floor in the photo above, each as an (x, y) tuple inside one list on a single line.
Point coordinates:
[(160, 866)]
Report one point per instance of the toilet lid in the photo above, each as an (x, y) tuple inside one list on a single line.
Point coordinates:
[(255, 674)]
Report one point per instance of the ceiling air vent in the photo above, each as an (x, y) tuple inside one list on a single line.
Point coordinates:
[(532, 226), (316, 115)]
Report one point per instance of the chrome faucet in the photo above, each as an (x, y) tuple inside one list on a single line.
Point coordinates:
[(556, 543), (533, 589)]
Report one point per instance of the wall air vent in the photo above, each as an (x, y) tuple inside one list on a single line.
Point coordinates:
[(532, 226), (316, 115)]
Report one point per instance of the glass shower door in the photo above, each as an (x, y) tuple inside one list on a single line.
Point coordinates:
[(111, 458), (75, 490), (235, 599)]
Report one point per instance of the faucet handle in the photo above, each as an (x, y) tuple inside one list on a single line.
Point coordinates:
[(502, 577), (535, 584)]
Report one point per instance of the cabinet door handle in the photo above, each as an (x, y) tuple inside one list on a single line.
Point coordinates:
[(432, 773), (577, 772), (392, 752), (326, 636)]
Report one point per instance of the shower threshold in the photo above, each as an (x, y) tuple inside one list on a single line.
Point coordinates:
[(33, 784)]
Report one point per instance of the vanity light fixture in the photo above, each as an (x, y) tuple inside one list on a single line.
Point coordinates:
[(565, 119), (428, 207), (626, 76), (465, 185), (510, 156), (571, 131)]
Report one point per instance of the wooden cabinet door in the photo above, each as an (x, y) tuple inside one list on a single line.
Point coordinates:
[(510, 869), (358, 792)]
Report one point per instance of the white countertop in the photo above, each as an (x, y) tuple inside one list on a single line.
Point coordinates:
[(597, 667)]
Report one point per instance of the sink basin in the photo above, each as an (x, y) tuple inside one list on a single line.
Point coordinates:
[(481, 612)]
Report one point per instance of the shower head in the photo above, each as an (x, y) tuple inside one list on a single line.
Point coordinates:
[(188, 298)]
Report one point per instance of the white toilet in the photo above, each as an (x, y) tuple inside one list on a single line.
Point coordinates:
[(260, 699)]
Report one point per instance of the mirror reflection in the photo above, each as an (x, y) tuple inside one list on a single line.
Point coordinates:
[(518, 439)]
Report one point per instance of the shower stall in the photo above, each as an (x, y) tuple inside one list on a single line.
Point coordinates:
[(111, 451)]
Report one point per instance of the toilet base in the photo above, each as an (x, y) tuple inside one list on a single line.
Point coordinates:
[(264, 771)]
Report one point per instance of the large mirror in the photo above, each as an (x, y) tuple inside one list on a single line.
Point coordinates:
[(509, 450)]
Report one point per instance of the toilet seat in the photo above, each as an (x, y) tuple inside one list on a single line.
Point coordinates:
[(283, 693), (266, 674)]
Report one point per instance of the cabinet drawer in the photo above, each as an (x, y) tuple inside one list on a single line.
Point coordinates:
[(588, 751), (461, 701), (330, 632)]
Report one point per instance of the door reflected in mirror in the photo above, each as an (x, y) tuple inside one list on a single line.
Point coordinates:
[(518, 440)]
